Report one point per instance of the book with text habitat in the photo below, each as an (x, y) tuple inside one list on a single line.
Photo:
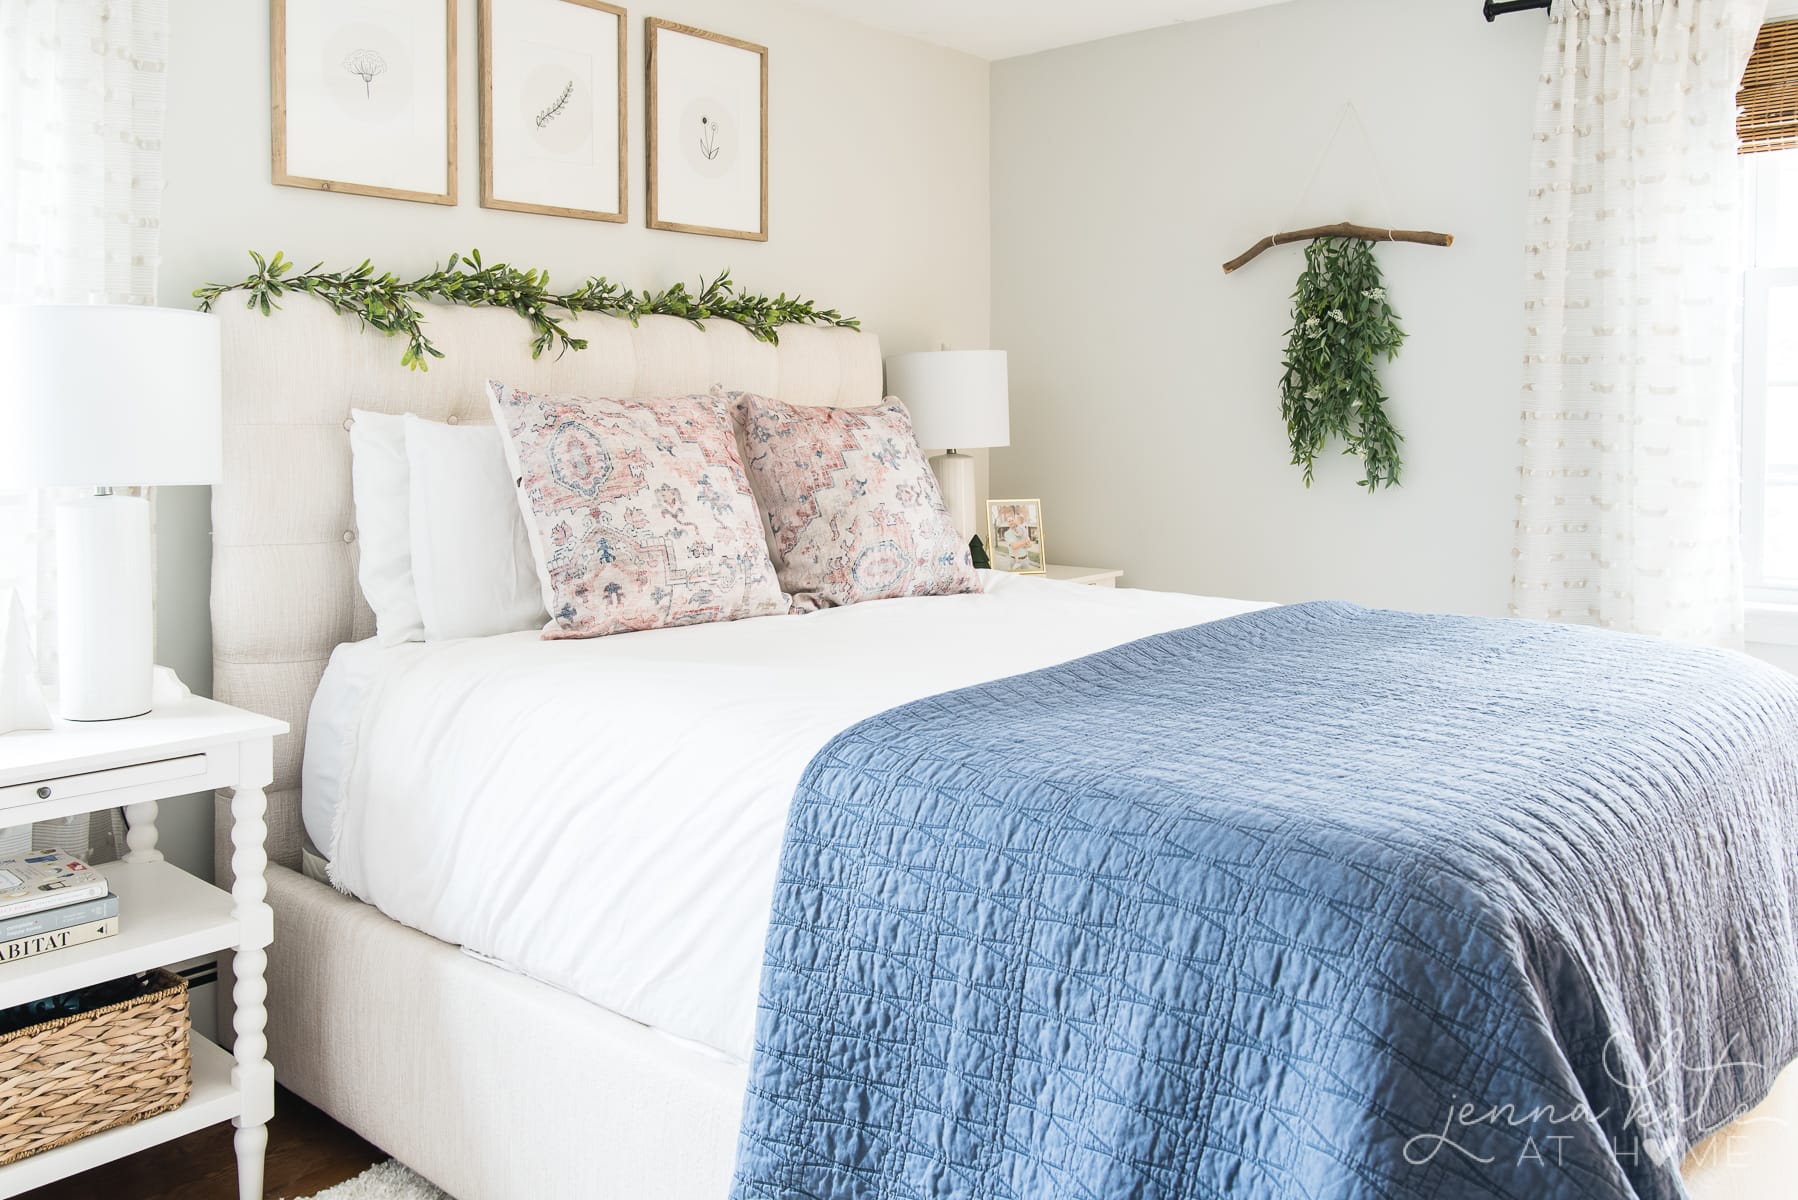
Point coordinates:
[(60, 939)]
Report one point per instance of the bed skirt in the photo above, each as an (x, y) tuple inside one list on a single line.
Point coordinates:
[(492, 1085)]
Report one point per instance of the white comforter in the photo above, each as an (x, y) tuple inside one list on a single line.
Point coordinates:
[(607, 815)]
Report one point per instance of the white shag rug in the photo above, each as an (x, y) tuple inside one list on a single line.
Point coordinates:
[(390, 1180)]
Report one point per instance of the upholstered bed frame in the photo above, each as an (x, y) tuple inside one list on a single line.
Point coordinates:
[(495, 1086)]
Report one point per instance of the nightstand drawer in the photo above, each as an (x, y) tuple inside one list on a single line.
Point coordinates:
[(67, 787), (1106, 577)]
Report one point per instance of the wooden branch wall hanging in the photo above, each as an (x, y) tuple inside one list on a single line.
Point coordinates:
[(1342, 325), (1365, 233)]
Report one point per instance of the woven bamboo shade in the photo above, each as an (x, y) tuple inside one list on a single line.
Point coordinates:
[(1769, 95)]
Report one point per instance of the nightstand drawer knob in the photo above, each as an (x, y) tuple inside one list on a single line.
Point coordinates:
[(43, 793)]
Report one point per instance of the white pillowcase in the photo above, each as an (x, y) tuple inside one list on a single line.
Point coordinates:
[(444, 549), (472, 566), (380, 481)]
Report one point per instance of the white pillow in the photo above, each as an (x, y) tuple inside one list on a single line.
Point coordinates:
[(380, 482), (472, 566)]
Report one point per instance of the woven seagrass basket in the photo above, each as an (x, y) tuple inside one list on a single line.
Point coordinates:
[(73, 1076)]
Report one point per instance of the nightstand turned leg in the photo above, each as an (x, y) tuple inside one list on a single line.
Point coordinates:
[(254, 1076), (251, 1142), (140, 833)]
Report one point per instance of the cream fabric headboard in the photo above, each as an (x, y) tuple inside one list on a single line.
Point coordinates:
[(284, 550)]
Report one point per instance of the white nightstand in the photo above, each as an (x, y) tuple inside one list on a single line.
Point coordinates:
[(1092, 576), (165, 914)]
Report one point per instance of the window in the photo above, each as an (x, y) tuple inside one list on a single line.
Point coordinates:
[(1767, 126), (1770, 379)]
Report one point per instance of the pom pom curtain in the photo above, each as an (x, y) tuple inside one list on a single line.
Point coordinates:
[(1628, 506)]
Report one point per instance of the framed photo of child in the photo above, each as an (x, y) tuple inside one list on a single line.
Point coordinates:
[(1015, 536)]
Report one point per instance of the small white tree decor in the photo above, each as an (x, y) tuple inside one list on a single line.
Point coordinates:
[(22, 703)]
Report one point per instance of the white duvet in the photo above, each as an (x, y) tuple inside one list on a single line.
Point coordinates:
[(607, 815)]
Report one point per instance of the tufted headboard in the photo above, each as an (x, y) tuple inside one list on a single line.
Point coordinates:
[(284, 551)]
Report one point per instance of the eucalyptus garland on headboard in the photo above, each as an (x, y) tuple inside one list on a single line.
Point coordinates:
[(386, 302)]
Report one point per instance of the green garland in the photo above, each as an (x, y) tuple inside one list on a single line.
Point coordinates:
[(1341, 323), (386, 302)]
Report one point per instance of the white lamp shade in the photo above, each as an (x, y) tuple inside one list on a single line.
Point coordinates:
[(108, 395), (957, 398)]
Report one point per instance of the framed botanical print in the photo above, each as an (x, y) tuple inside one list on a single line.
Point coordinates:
[(364, 95), (553, 108), (1015, 536), (708, 132)]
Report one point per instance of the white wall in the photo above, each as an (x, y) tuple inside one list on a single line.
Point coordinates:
[(878, 207), (1146, 410)]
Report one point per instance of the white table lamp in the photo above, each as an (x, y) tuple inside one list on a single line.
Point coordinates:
[(958, 401), (107, 396)]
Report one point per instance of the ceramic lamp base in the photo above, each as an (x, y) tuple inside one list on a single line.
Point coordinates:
[(105, 640), (955, 479)]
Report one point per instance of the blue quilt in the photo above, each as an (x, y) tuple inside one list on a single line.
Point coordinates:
[(1312, 902)]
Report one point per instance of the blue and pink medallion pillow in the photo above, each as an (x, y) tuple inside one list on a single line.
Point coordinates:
[(639, 513), (853, 512)]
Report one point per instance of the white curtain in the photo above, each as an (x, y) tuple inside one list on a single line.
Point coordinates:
[(1628, 509), (81, 114)]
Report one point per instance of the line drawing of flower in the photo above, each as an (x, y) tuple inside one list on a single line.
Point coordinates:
[(558, 108), (708, 137), (365, 65)]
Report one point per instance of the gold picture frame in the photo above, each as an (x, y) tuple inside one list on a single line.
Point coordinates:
[(281, 149), (1014, 530), (490, 198), (675, 189)]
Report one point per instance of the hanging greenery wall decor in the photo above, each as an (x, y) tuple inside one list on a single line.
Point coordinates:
[(1341, 325), (385, 302)]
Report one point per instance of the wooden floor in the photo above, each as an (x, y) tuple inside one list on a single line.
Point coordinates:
[(307, 1152)]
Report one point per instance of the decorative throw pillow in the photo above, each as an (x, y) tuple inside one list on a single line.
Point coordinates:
[(638, 511), (852, 509)]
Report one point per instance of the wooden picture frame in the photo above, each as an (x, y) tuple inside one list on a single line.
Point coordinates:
[(676, 188), (1029, 514), (293, 150), (550, 175)]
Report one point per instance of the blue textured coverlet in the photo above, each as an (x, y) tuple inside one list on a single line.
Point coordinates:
[(1311, 902)]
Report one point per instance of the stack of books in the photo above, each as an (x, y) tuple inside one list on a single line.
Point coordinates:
[(50, 901)]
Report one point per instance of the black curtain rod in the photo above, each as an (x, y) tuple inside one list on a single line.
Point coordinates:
[(1504, 8)]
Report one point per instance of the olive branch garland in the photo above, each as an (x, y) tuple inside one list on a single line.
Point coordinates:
[(1341, 324), (385, 302)]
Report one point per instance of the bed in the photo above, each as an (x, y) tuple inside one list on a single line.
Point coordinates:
[(492, 1083)]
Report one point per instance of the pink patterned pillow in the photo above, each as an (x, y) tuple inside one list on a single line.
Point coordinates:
[(852, 509), (639, 512)]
